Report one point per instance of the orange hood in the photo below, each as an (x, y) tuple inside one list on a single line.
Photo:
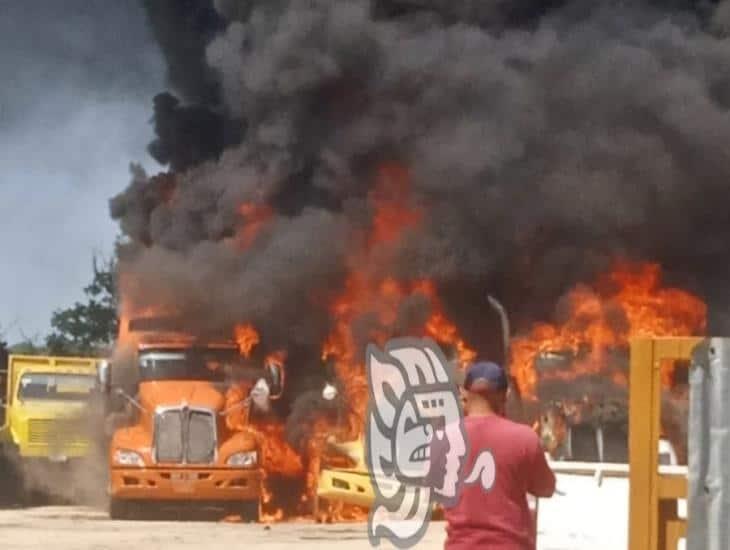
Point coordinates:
[(175, 392)]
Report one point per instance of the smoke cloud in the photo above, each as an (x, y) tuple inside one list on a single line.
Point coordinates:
[(543, 140)]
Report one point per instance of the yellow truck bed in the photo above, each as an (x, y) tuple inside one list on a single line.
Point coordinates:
[(44, 404)]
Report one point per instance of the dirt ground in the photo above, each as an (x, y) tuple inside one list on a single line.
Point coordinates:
[(584, 515), (76, 528)]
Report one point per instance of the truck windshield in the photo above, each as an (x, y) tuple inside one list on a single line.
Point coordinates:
[(205, 365), (55, 387)]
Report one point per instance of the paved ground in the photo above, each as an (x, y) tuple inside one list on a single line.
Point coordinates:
[(583, 516)]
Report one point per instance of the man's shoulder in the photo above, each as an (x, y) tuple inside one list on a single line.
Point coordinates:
[(514, 430), (499, 421), (519, 429)]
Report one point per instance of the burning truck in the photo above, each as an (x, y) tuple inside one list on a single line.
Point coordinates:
[(387, 170), (571, 377), (185, 435), (587, 421), (575, 372)]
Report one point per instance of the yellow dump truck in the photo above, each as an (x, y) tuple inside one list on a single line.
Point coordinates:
[(46, 422), (350, 484)]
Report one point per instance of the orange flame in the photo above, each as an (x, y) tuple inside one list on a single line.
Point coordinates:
[(390, 198), (256, 216), (379, 297), (246, 337), (441, 329), (627, 302), (277, 358), (278, 456)]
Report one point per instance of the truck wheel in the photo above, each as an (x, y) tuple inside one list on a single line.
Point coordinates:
[(13, 481), (32, 497), (11, 486), (250, 511), (120, 509)]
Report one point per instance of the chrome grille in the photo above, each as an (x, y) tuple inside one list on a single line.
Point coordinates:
[(55, 432), (185, 436), (169, 434), (201, 438)]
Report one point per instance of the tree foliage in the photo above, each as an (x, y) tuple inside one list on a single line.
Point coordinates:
[(88, 328), (4, 351), (29, 346)]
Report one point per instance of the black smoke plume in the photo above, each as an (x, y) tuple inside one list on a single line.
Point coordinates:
[(543, 139), (199, 129), (189, 135)]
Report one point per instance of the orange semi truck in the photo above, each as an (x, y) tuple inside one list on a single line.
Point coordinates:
[(175, 443)]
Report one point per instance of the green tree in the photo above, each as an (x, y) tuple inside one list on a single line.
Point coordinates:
[(28, 346), (88, 328), (4, 351)]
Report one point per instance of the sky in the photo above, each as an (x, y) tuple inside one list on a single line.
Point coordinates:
[(77, 80)]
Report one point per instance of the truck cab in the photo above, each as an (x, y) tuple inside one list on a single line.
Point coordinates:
[(178, 443), (46, 416)]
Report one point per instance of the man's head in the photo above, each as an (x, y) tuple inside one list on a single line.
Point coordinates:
[(484, 388)]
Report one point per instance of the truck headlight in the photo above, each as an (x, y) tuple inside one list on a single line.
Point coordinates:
[(243, 460), (122, 457)]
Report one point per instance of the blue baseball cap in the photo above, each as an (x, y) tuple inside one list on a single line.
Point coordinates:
[(487, 371)]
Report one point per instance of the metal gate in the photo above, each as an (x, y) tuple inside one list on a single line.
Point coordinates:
[(709, 447)]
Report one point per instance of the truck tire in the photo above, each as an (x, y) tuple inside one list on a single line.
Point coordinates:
[(121, 509), (11, 486), (250, 511), (13, 483)]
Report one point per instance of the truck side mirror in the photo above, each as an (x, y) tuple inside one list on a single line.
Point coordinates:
[(329, 392), (121, 394), (275, 378), (104, 376)]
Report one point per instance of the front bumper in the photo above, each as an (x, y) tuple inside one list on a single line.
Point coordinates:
[(54, 453), (177, 484), (349, 486)]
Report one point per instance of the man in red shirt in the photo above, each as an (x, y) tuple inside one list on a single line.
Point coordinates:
[(497, 518)]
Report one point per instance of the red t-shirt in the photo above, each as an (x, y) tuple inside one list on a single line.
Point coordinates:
[(499, 519)]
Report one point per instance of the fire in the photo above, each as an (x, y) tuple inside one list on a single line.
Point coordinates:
[(277, 358), (379, 298), (267, 517), (441, 329), (256, 216), (655, 311), (381, 301), (278, 456), (627, 302), (390, 198), (128, 340), (246, 337), (129, 310)]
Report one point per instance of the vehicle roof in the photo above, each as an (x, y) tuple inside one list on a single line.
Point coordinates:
[(47, 362), (180, 342), (184, 345), (170, 333)]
